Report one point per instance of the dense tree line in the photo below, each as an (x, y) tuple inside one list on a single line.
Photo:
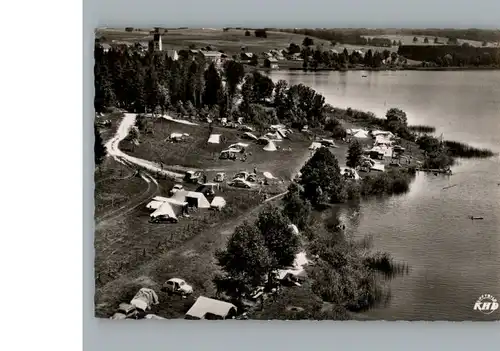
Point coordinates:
[(354, 36), (190, 86), (452, 55)]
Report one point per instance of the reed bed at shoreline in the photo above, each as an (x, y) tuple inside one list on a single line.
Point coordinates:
[(459, 149), (422, 129)]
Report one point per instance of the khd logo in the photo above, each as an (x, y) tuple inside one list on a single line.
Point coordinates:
[(486, 304)]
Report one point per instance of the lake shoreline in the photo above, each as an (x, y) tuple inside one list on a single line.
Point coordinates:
[(370, 69)]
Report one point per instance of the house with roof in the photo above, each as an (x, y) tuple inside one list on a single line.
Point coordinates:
[(271, 63), (213, 56), (247, 56), (105, 47)]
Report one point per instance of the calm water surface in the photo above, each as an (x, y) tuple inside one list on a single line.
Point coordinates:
[(453, 260)]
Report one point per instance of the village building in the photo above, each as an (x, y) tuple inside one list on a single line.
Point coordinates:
[(246, 56), (213, 56), (271, 63)]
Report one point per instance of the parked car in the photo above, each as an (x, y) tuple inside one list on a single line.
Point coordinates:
[(219, 177), (176, 188), (241, 175), (240, 183), (193, 176), (177, 286)]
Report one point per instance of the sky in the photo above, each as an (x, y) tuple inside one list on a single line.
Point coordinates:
[(293, 13)]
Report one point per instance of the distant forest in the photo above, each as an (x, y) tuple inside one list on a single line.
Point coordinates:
[(355, 36)]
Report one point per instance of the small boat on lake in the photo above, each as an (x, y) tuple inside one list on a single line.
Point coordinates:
[(473, 217)]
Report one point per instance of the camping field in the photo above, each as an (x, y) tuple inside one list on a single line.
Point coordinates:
[(195, 152)]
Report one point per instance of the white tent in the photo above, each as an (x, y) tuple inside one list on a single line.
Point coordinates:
[(154, 205), (378, 167), (204, 306), (270, 146), (214, 139), (197, 199), (282, 133), (144, 299), (362, 134), (273, 136), (315, 145), (218, 202), (268, 175), (344, 170), (176, 136), (294, 229), (166, 210)]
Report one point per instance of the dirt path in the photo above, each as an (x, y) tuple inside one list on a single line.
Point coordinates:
[(112, 147), (152, 189)]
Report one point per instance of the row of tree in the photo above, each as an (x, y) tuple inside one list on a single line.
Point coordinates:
[(452, 55)]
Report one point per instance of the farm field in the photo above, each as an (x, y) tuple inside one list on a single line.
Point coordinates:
[(230, 42)]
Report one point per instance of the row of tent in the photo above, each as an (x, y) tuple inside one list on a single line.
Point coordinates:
[(175, 206), (203, 308)]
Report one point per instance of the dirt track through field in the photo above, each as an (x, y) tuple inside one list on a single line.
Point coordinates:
[(152, 188)]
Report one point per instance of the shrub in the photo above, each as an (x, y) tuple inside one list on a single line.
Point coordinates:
[(386, 183)]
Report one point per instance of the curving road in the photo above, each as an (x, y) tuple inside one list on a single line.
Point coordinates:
[(112, 148)]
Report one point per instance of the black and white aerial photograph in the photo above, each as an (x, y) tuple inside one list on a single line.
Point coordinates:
[(297, 173)]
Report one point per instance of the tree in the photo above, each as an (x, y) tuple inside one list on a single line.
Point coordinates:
[(400, 43), (321, 178), (396, 120), (280, 241), (307, 42), (260, 33), (354, 153), (293, 49), (426, 40), (254, 61), (295, 207), (234, 73), (247, 33), (396, 115), (245, 262), (415, 39), (436, 40), (213, 86), (99, 148)]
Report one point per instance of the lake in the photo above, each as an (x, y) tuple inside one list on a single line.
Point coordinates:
[(453, 260)]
